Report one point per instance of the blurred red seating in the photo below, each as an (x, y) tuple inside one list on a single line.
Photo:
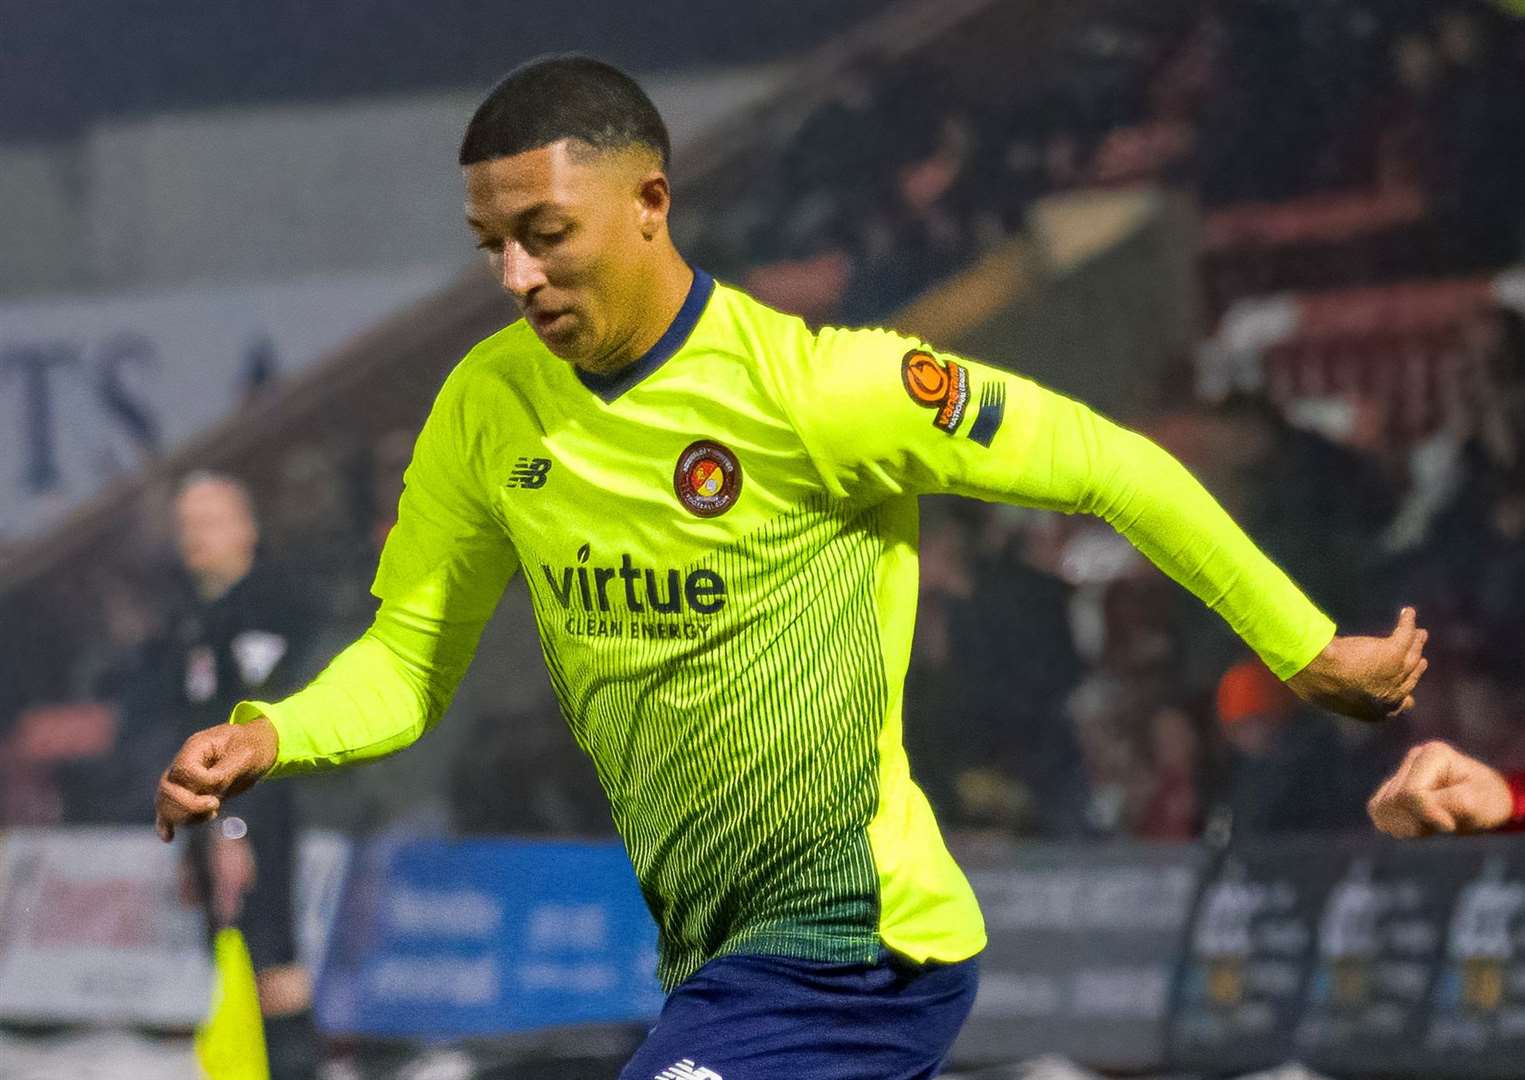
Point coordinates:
[(1316, 219), (1143, 152), (1396, 349), (1323, 241), (1399, 380), (811, 288), (64, 732)]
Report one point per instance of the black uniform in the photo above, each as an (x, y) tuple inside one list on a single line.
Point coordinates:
[(250, 642)]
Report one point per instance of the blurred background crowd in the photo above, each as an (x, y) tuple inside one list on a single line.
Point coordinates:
[(1349, 382)]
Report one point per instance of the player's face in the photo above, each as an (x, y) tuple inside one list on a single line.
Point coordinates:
[(567, 230)]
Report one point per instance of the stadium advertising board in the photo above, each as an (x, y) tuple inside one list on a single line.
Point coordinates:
[(1358, 956), (92, 387), (1245, 965), (1083, 944), (1370, 1002), (92, 931), (322, 862), (1474, 1024), (488, 937)]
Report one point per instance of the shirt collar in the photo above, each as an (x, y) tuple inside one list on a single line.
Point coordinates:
[(616, 383)]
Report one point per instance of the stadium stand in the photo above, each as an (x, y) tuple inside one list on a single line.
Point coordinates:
[(1100, 95)]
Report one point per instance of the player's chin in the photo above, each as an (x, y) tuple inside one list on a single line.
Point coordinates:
[(570, 345)]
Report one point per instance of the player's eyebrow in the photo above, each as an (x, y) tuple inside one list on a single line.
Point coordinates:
[(544, 206)]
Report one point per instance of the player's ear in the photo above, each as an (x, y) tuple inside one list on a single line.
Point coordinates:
[(653, 200)]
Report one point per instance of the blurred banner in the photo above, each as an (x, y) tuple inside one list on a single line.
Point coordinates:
[(92, 930), (1346, 953), (323, 859), (488, 937), (1398, 959), (1083, 943), (1247, 959), (92, 387)]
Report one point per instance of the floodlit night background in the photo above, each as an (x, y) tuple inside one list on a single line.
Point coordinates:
[(1284, 238)]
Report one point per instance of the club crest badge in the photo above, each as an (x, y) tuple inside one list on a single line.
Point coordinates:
[(707, 479)]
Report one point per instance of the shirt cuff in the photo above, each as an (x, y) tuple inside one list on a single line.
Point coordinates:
[(1320, 634), (246, 711), (1516, 822)]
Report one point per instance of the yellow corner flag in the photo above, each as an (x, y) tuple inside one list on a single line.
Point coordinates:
[(230, 1043)]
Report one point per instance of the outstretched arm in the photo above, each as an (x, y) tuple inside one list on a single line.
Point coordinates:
[(376, 697), (1438, 789), (1097, 467), (442, 571), (885, 416)]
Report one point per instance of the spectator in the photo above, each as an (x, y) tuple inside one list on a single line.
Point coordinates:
[(317, 532), (1477, 175), (76, 756), (1454, 470), (1464, 516), (127, 676), (1317, 507), (1021, 665), (1406, 148), (1495, 363), (1116, 707), (1286, 768), (993, 663), (1174, 808)]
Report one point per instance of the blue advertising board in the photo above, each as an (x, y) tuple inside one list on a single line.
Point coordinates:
[(457, 938)]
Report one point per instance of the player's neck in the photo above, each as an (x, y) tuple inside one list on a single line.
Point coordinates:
[(669, 289)]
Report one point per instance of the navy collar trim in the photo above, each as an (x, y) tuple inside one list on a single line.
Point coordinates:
[(613, 385)]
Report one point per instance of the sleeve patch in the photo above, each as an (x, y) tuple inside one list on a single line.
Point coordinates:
[(937, 384)]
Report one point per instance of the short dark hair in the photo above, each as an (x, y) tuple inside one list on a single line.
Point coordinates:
[(564, 97)]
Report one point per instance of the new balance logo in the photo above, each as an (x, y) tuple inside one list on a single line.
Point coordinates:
[(687, 1070), (529, 472)]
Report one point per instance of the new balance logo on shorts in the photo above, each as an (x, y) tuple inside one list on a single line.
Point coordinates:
[(687, 1070)]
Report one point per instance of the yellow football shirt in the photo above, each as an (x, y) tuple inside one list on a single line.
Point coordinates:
[(720, 547)]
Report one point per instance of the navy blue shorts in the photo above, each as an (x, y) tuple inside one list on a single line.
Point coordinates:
[(775, 1018)]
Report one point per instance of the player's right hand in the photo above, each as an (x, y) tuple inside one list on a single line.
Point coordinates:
[(1438, 789), (212, 766)]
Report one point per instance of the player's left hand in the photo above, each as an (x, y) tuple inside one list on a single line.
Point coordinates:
[(1368, 678)]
